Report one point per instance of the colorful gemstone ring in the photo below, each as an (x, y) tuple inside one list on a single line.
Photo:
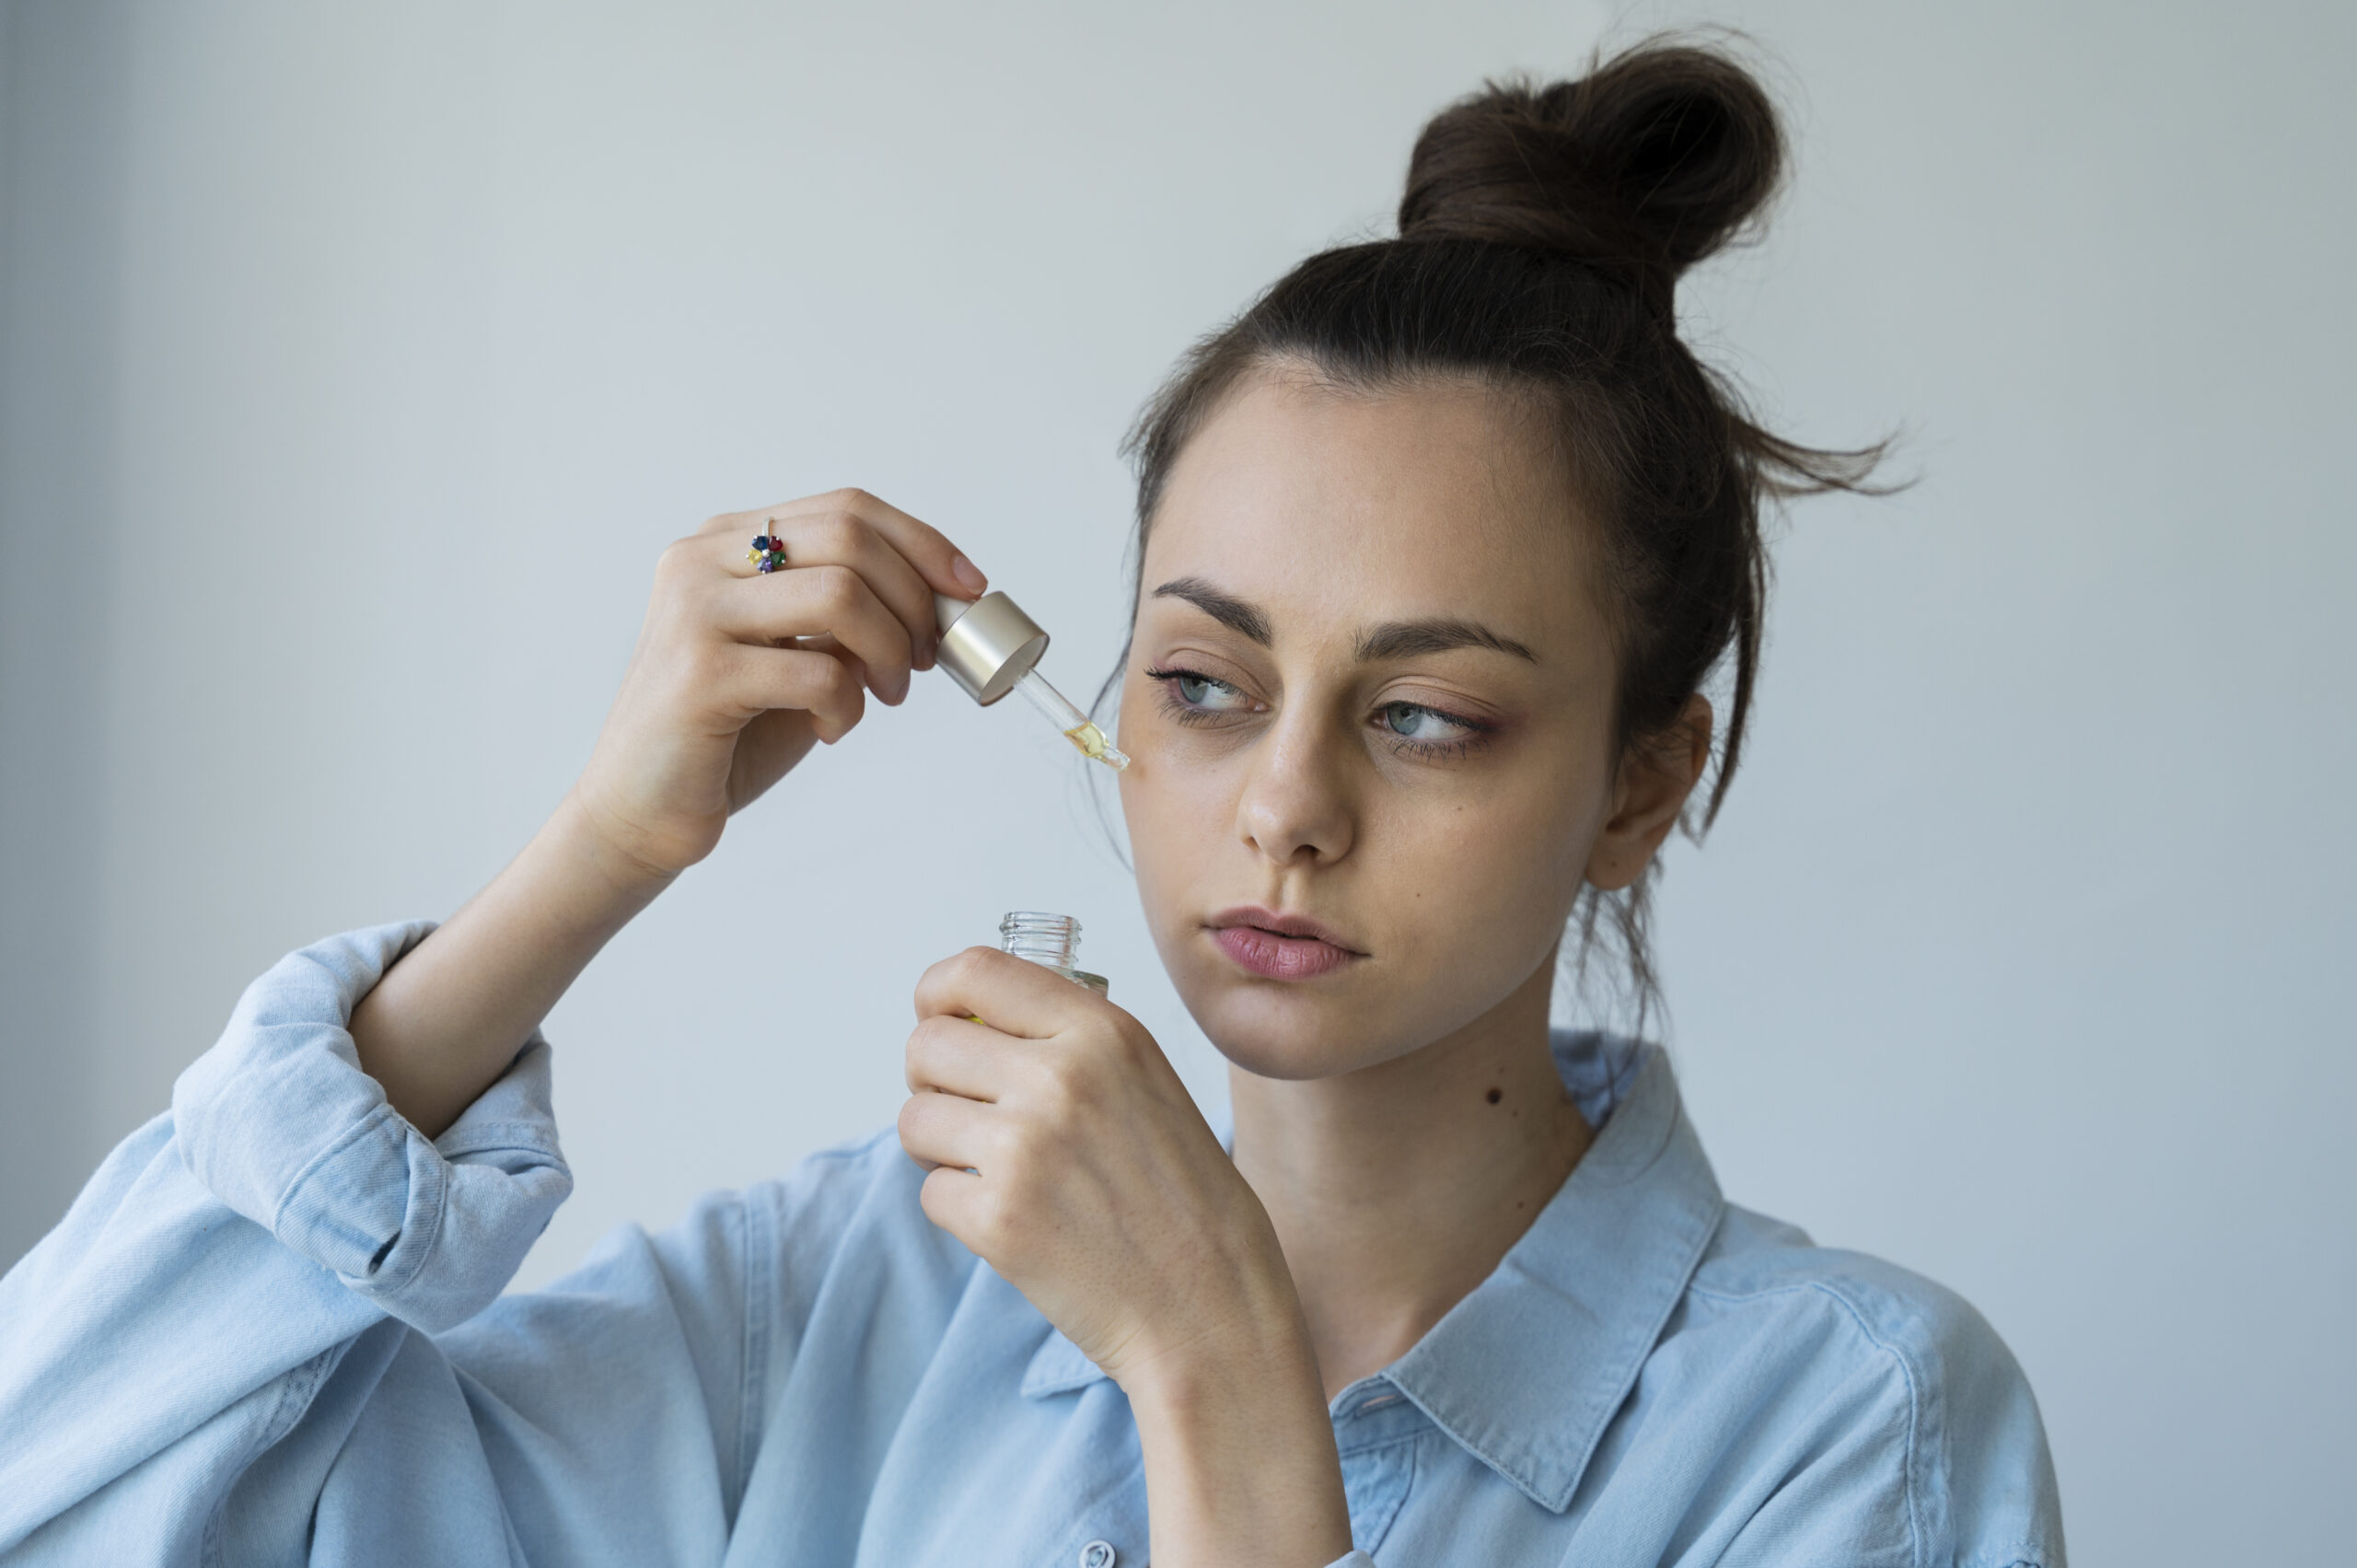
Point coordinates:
[(768, 553)]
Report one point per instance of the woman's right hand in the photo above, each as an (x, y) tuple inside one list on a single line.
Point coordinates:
[(738, 672)]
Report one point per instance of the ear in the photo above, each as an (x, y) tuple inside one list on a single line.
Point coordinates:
[(1657, 773)]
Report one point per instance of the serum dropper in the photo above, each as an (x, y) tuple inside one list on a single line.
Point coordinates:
[(989, 648)]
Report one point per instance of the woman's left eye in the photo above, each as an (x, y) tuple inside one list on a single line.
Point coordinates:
[(1428, 730), (1412, 723)]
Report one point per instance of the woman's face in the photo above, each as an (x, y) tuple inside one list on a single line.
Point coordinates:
[(1369, 700)]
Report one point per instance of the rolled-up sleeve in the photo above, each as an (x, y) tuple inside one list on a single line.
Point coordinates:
[(209, 1286), (281, 1124)]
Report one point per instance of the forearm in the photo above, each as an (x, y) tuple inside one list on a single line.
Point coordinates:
[(1241, 1469), (446, 1019)]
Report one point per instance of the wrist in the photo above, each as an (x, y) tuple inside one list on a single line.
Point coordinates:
[(1240, 1460), (447, 1018), (1244, 1340), (582, 836), (1216, 1360)]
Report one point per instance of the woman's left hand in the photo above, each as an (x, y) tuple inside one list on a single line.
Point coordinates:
[(1069, 1157), (1068, 1154)]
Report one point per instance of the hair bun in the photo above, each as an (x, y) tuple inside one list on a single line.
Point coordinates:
[(1651, 161)]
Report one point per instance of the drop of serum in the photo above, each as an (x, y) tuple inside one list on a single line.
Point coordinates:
[(1078, 727)]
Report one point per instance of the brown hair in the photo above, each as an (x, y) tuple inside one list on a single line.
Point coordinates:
[(1540, 241)]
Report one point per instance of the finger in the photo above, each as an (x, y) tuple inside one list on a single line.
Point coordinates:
[(948, 1129), (960, 1056), (727, 525), (937, 560), (1013, 995), (812, 601), (940, 563), (832, 538), (844, 539), (827, 539), (952, 1198), (747, 680), (844, 657)]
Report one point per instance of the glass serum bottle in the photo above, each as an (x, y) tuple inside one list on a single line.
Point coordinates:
[(1049, 940)]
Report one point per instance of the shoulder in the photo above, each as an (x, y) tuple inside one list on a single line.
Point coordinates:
[(1907, 1402), (1759, 1272)]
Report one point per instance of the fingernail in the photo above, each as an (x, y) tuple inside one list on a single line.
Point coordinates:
[(967, 573)]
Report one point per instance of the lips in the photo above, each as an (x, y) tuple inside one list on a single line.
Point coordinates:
[(1279, 946)]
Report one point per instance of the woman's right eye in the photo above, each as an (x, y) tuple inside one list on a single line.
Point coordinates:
[(1195, 692)]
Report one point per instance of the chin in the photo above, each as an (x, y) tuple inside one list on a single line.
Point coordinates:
[(1276, 1029)]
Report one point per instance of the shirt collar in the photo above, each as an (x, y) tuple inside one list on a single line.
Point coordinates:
[(1526, 1372)]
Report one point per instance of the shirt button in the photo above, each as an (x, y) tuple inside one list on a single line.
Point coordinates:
[(1099, 1555)]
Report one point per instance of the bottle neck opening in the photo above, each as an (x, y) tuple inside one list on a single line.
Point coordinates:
[(1050, 939)]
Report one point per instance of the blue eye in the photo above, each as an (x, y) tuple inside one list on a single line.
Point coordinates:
[(1191, 697), (1200, 693), (1410, 722), (1427, 732)]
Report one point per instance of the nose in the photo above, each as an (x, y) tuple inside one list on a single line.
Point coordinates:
[(1296, 803)]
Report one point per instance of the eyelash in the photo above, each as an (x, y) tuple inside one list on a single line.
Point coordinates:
[(1477, 734)]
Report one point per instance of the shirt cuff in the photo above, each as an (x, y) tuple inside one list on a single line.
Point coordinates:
[(1355, 1560), (280, 1124)]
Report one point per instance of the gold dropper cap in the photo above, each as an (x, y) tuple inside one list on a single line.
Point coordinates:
[(989, 648), (987, 645)]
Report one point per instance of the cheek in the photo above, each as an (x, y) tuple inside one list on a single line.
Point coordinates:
[(1485, 882), (1172, 815), (1510, 862), (1177, 786)]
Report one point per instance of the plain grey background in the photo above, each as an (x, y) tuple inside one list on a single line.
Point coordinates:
[(360, 360)]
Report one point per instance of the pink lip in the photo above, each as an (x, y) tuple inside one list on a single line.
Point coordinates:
[(1278, 946)]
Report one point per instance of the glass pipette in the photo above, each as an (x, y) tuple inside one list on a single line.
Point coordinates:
[(1077, 726)]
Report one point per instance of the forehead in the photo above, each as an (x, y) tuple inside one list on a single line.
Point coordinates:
[(1341, 507)]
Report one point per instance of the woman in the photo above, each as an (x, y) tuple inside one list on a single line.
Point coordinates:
[(1438, 545)]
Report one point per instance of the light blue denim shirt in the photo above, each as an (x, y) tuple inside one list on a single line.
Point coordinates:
[(270, 1331)]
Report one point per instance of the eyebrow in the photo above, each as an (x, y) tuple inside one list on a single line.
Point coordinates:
[(1407, 639), (1243, 619), (1392, 640)]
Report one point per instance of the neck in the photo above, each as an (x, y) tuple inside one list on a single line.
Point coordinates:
[(1395, 1190)]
